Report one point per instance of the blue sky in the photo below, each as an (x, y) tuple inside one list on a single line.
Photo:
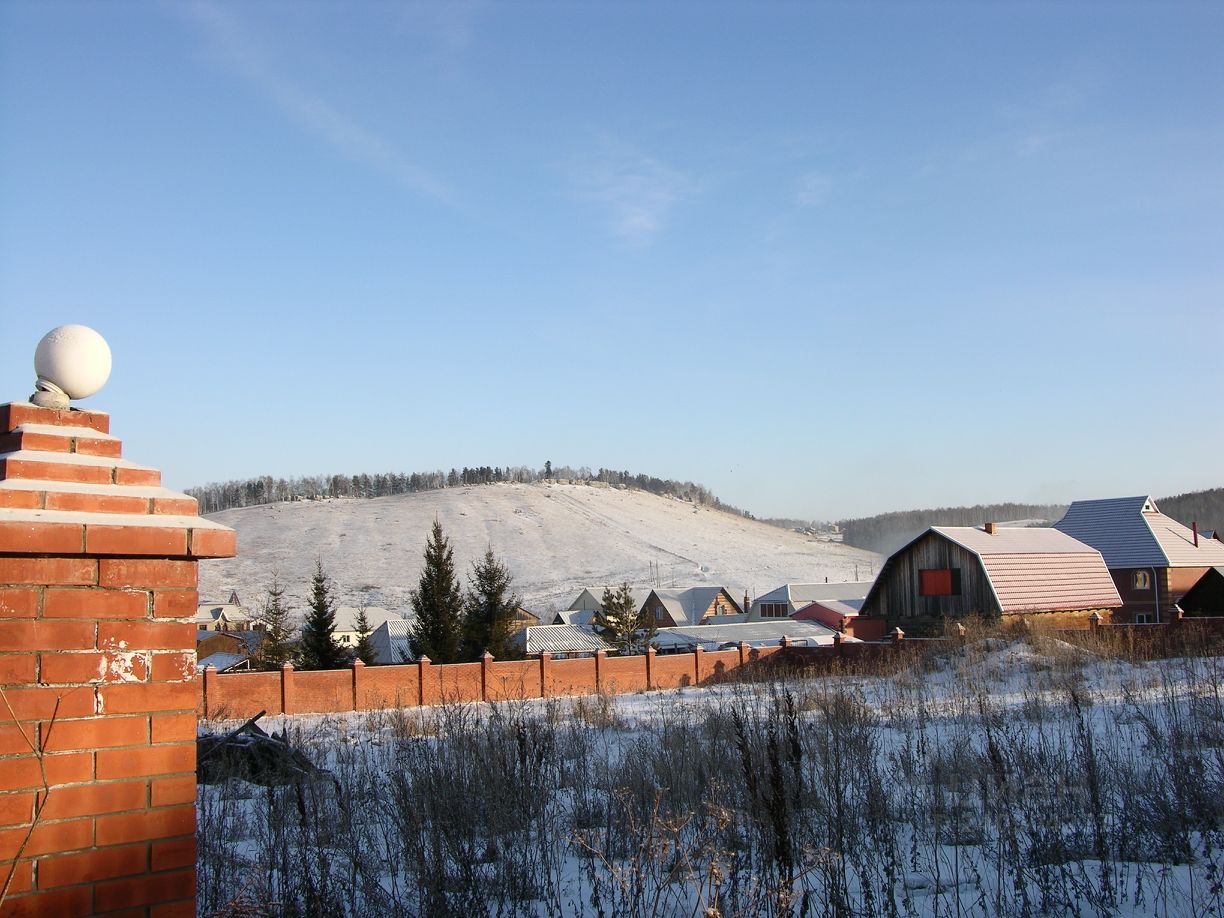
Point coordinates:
[(828, 259)]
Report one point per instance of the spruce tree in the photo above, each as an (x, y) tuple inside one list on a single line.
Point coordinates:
[(364, 649), (319, 647), (437, 603), (489, 609), (619, 620), (276, 649)]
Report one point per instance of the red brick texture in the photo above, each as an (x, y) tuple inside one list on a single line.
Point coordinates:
[(97, 657)]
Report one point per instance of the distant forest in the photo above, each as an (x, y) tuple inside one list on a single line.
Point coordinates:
[(250, 492), (887, 532)]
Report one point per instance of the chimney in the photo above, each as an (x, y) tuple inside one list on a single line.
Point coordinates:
[(1194, 526), (992, 529)]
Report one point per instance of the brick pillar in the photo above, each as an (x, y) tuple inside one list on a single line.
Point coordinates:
[(600, 655), (288, 702), (425, 695), (358, 684), (97, 659), (650, 655), (485, 659), (698, 654), (545, 657)]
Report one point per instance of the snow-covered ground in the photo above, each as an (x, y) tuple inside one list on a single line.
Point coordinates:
[(556, 539), (1016, 778)]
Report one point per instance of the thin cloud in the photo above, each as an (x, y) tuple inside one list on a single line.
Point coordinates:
[(450, 25), (813, 189), (242, 54), (637, 193)]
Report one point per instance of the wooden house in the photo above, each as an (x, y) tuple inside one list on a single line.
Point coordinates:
[(690, 606), (958, 571), (1153, 559)]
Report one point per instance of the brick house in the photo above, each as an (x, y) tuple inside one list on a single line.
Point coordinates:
[(1153, 559)]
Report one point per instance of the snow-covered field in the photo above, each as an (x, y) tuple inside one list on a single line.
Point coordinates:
[(1016, 778), (556, 539)]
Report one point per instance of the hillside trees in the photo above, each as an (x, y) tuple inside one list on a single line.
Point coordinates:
[(489, 608), (437, 603), (319, 647)]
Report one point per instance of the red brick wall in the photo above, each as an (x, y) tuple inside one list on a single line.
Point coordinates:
[(97, 658)]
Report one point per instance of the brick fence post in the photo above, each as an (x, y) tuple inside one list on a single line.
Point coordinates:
[(599, 658), (288, 699), (743, 653), (545, 656), (650, 655), (97, 665), (422, 674), (358, 673), (209, 688), (698, 653), (485, 659)]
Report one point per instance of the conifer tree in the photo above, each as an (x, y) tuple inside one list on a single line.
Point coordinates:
[(619, 621), (437, 603), (319, 647), (489, 609), (276, 649), (364, 649)]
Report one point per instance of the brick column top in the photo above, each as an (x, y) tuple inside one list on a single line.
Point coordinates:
[(65, 489)]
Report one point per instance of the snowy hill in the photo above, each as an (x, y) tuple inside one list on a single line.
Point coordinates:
[(555, 538)]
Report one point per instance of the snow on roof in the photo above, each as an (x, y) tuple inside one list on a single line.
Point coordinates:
[(801, 594), (561, 639), (222, 661), (1039, 569), (1011, 541), (755, 634), (390, 641), (220, 611), (844, 607), (346, 617), (686, 606), (1132, 532)]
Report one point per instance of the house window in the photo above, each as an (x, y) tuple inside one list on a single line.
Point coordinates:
[(1143, 618), (1142, 580), (774, 610), (940, 581)]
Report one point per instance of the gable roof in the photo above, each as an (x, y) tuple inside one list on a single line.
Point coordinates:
[(801, 594), (687, 606), (1132, 532), (755, 634), (560, 639), (207, 613), (390, 642), (346, 617)]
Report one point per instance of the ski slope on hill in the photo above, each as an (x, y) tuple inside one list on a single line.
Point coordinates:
[(556, 539)]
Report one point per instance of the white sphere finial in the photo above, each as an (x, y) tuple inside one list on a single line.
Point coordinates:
[(72, 362)]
